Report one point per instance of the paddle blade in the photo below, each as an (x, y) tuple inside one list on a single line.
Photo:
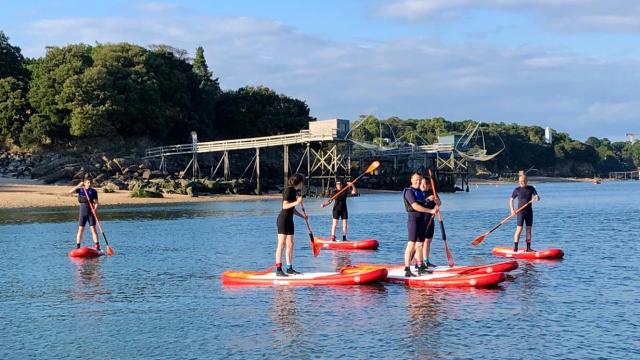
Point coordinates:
[(315, 248), (449, 255), (478, 240), (374, 165), (110, 251)]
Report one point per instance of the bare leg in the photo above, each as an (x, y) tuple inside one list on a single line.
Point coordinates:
[(408, 253), (334, 226), (516, 236), (79, 235), (289, 252), (94, 233), (426, 249), (418, 255), (344, 228), (281, 239)]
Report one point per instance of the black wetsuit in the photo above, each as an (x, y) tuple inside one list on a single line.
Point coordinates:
[(524, 195), (429, 204), (285, 218), (415, 220), (340, 206), (85, 211)]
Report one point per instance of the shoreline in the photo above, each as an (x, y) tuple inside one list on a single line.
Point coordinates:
[(28, 193)]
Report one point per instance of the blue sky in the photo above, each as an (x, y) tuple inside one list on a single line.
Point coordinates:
[(573, 65)]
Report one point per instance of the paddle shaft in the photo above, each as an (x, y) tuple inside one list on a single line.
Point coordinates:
[(345, 188), (481, 238), (444, 234), (315, 249), (93, 211)]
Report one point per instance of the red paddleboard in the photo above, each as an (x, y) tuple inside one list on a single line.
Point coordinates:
[(504, 266), (85, 252), (446, 280), (553, 253), (366, 244), (345, 277)]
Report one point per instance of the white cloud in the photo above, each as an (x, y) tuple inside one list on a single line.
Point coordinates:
[(156, 6), (411, 77), (563, 15)]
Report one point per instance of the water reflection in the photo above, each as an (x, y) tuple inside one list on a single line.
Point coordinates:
[(424, 309), (88, 280), (285, 317)]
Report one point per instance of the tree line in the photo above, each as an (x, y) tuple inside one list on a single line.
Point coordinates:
[(123, 90), (525, 146)]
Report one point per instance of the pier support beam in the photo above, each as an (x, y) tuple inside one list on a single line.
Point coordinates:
[(258, 191), (286, 164), (225, 165)]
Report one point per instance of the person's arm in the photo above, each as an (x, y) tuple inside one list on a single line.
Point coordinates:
[(513, 210), (354, 191), (95, 201), (420, 208), (75, 189), (295, 211), (288, 205), (536, 197)]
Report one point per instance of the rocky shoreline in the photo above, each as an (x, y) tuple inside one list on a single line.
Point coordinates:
[(112, 174)]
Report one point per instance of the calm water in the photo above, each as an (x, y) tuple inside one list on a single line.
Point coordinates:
[(161, 297)]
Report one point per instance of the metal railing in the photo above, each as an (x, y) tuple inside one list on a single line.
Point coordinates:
[(302, 137)]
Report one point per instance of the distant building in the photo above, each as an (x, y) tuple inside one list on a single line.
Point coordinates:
[(547, 135)]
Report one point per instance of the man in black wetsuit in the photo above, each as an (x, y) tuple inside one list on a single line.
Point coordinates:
[(524, 193), (340, 210), (85, 194)]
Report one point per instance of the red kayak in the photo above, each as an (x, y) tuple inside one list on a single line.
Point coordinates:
[(443, 279), (345, 277), (553, 253), (504, 266), (366, 244), (85, 252)]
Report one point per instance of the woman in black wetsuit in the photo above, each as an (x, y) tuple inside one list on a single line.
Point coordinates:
[(290, 199)]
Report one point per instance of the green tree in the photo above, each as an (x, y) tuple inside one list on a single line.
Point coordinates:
[(259, 111), (14, 108)]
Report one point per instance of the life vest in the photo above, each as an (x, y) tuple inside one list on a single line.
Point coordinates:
[(417, 194)]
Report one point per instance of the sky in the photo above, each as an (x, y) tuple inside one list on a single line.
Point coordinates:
[(572, 65)]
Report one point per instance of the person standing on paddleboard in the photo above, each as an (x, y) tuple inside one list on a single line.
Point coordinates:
[(340, 210), (430, 222), (416, 226), (290, 199), (524, 193), (85, 194)]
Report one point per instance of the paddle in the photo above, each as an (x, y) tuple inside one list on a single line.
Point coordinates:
[(314, 247), (481, 238), (374, 165), (110, 251), (444, 234)]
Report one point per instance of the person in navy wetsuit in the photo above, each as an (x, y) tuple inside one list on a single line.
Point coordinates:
[(86, 194), (414, 202), (524, 193)]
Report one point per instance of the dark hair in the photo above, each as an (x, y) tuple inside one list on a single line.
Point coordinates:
[(87, 177), (295, 179)]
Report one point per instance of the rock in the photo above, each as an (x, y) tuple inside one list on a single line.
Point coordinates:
[(146, 174)]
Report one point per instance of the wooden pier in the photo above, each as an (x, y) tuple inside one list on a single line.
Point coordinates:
[(625, 175), (327, 154)]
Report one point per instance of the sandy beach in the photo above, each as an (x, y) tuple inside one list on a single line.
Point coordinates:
[(24, 193)]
